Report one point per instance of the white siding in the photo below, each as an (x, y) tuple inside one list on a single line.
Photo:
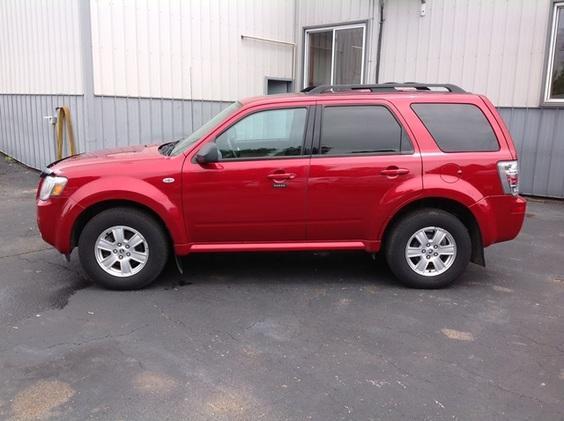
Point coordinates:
[(40, 47), (495, 47), (189, 49)]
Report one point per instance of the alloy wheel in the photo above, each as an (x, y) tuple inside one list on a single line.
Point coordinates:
[(430, 251), (121, 251)]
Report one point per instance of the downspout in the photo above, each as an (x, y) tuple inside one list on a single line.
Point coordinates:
[(379, 44)]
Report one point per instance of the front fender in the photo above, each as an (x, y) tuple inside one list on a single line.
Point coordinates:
[(128, 189)]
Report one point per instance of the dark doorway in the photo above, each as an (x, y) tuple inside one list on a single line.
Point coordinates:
[(278, 86)]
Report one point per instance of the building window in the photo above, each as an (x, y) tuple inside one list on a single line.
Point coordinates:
[(554, 89), (334, 55)]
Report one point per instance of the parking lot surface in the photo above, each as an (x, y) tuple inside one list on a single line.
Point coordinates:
[(273, 336)]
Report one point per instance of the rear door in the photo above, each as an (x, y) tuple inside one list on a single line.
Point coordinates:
[(362, 165)]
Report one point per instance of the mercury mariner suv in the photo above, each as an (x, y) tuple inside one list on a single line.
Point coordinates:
[(426, 174)]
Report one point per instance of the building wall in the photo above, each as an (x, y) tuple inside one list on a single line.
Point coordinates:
[(40, 47), (189, 49), (26, 135), (493, 47), (538, 134)]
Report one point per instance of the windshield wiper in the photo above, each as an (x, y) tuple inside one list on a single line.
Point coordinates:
[(166, 148)]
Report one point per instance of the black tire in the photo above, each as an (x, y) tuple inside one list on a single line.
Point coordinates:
[(401, 233), (146, 225)]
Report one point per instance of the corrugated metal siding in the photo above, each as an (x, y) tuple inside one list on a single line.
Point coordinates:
[(27, 137), (127, 121), (40, 47), (495, 47), (189, 49), (539, 137)]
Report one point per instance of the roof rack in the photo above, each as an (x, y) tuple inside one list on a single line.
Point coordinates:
[(387, 87)]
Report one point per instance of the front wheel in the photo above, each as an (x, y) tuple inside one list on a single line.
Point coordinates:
[(123, 248), (429, 248)]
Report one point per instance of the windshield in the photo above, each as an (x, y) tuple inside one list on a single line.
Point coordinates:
[(183, 144)]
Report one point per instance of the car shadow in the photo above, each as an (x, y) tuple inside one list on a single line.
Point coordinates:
[(343, 267)]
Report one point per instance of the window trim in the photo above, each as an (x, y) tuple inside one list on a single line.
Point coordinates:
[(316, 153), (306, 141), (546, 100), (456, 103), (334, 29)]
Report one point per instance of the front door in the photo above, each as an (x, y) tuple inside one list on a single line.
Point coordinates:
[(257, 192), (364, 164)]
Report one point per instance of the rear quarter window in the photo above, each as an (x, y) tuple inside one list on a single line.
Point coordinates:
[(457, 127)]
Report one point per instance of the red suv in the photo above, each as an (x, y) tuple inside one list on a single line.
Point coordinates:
[(426, 173)]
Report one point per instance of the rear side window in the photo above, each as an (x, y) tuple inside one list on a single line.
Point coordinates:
[(457, 127), (359, 129)]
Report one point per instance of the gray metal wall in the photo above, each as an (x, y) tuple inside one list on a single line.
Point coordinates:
[(29, 138), (124, 121), (538, 134), (26, 136)]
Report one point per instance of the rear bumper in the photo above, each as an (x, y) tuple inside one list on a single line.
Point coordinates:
[(500, 217)]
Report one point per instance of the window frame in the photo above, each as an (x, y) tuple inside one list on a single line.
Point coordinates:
[(546, 100), (306, 141), (316, 152), (455, 103), (334, 29)]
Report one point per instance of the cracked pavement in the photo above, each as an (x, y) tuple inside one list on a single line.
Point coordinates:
[(296, 336)]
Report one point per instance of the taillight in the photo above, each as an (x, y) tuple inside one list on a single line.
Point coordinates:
[(509, 176)]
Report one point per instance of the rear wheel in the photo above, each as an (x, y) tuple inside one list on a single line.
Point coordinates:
[(429, 248), (123, 248)]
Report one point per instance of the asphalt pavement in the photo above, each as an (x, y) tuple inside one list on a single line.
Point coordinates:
[(296, 336)]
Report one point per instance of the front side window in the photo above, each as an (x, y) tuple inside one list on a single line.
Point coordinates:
[(334, 55), (554, 89), (359, 129), (264, 134), (457, 127)]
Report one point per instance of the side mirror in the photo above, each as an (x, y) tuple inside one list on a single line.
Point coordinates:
[(208, 154)]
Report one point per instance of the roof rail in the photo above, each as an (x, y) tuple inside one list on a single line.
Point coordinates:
[(387, 87)]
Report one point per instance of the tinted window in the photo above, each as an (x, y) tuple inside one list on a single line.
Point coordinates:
[(457, 127), (361, 129), (265, 134)]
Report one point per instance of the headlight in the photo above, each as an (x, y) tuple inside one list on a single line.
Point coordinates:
[(52, 186)]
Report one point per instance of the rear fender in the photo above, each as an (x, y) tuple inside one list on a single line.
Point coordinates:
[(467, 196)]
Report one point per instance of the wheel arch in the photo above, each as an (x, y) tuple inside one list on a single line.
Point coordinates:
[(454, 207), (88, 213)]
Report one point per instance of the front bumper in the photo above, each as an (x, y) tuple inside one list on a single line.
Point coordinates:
[(55, 222)]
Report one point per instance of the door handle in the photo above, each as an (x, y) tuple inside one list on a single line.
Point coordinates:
[(394, 171), (281, 176)]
